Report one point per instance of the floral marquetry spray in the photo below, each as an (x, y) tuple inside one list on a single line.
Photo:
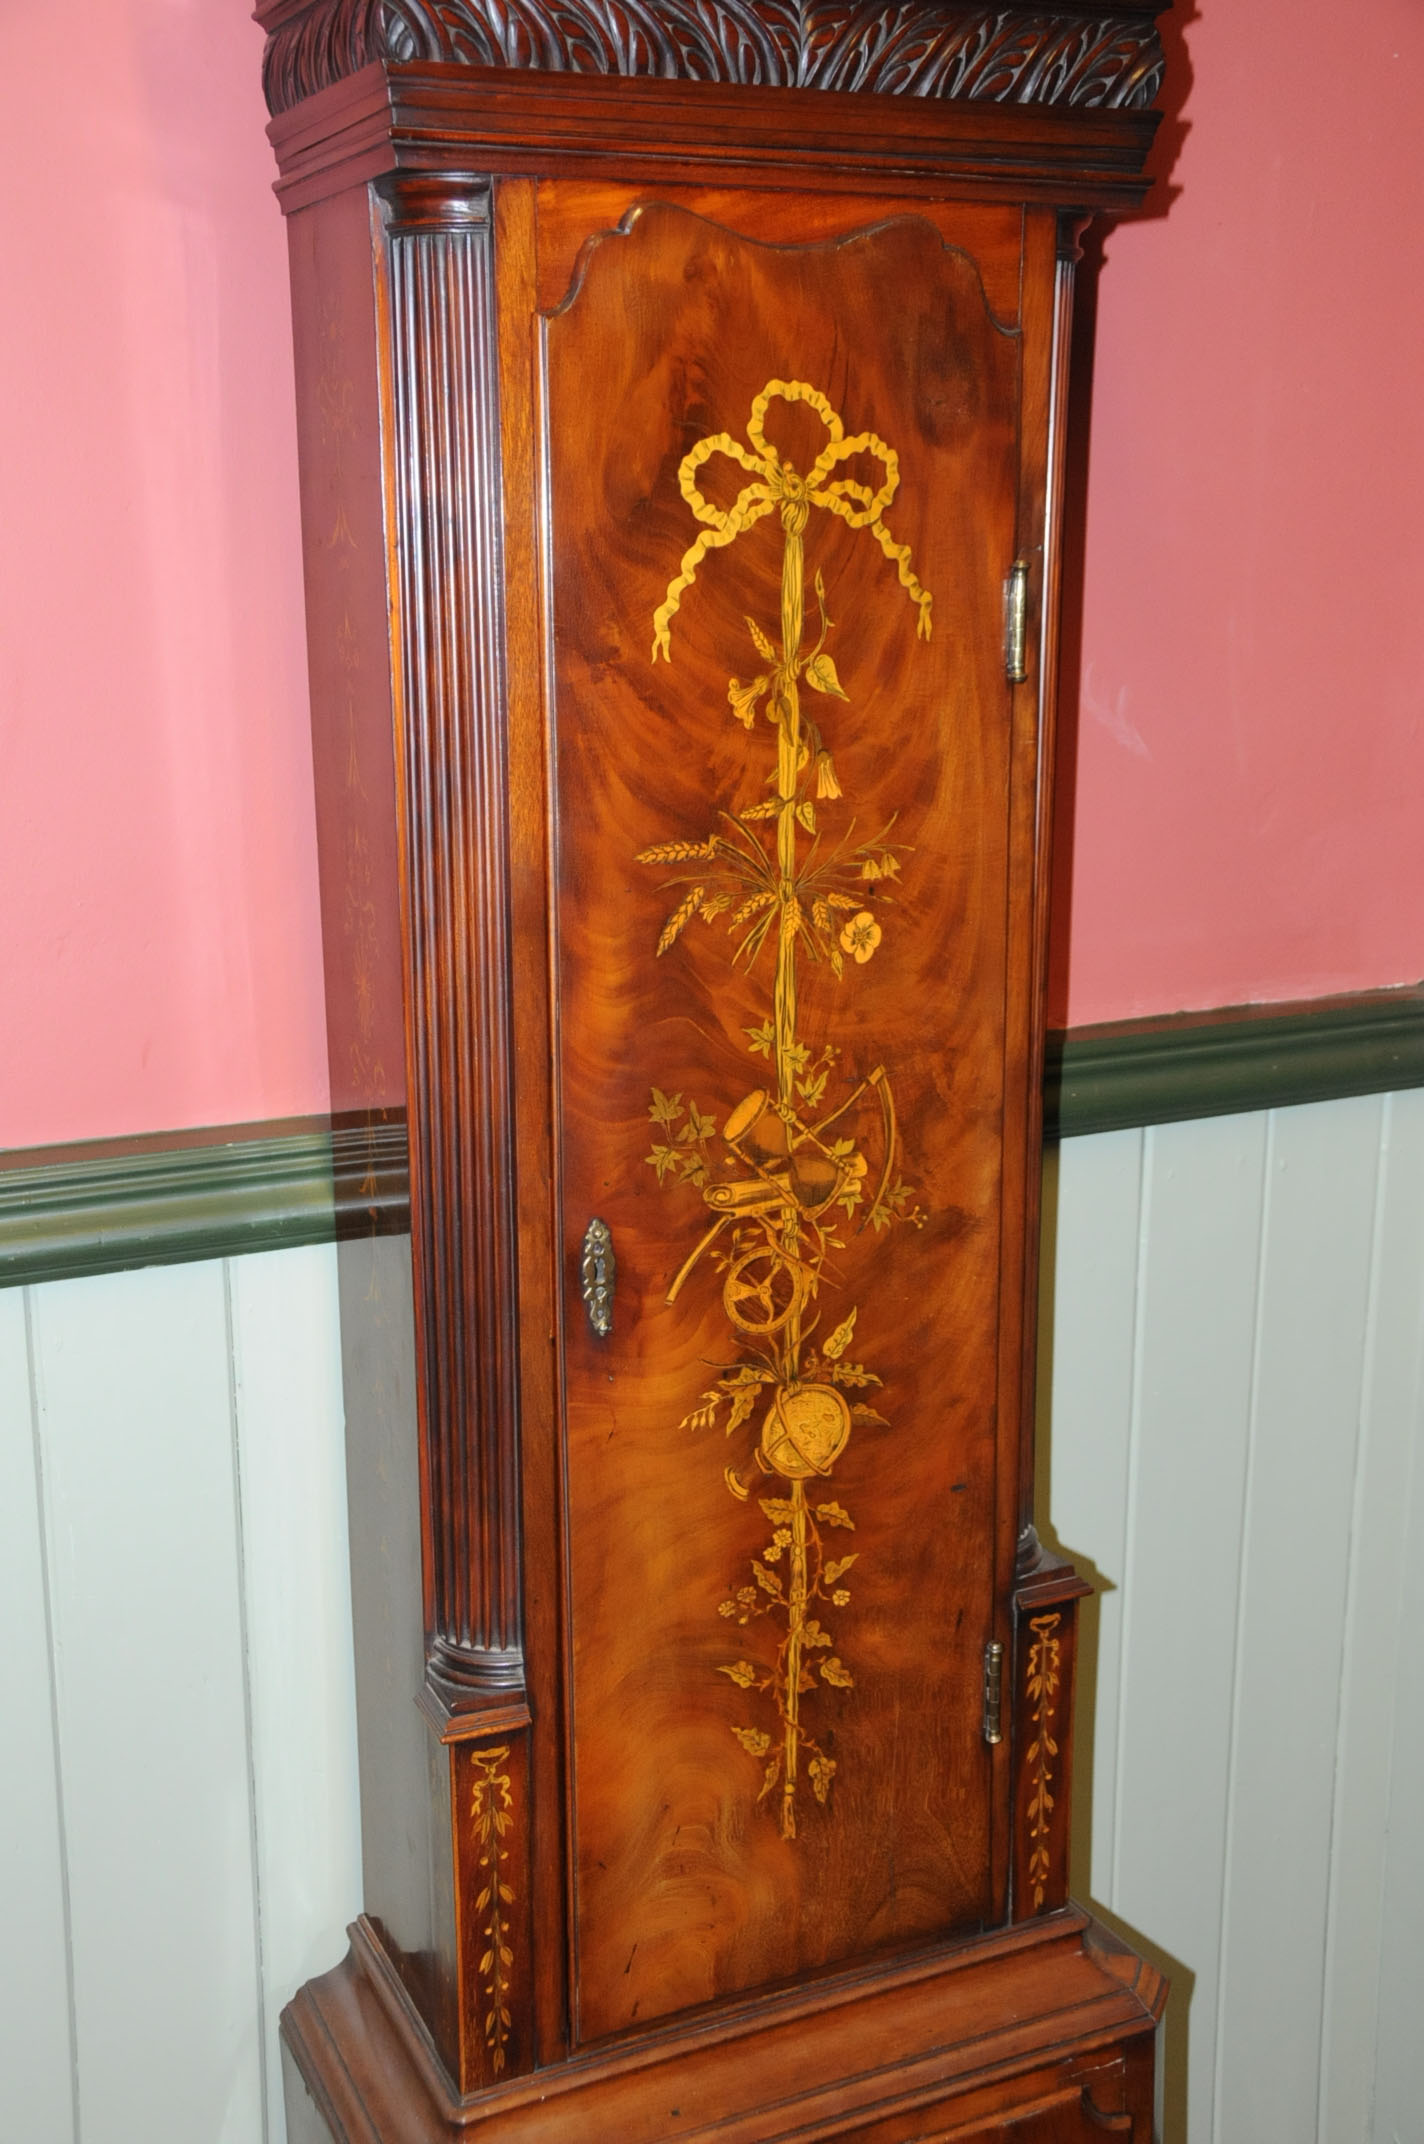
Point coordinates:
[(785, 1172)]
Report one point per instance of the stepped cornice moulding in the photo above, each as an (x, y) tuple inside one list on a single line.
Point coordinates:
[(1096, 57)]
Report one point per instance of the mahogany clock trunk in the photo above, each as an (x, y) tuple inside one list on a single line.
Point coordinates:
[(681, 401)]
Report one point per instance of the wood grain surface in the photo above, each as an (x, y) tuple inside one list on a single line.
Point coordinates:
[(1079, 53), (1047, 2025), (770, 386), (686, 1890)]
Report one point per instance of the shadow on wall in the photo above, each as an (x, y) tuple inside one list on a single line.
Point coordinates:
[(1173, 2054), (1166, 150), (1175, 2039)]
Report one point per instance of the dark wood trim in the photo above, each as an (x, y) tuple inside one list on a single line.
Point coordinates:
[(1166, 1070), (586, 112), (1095, 54), (113, 1205), (1037, 1714), (650, 133), (454, 837), (1014, 2016)]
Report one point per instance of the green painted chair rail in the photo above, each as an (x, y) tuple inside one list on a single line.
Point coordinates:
[(1165, 1071), (102, 1209)]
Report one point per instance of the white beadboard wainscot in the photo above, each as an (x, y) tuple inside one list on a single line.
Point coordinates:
[(1232, 1425), (1233, 1404), (180, 1831)]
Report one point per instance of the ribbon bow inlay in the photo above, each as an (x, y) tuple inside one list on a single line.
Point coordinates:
[(777, 483)]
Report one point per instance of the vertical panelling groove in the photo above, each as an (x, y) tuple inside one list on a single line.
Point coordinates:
[(265, 2080), (42, 1520), (1362, 1418), (1129, 1508), (1412, 1502), (1242, 1561)]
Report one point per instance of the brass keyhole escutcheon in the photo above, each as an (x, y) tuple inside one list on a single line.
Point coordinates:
[(598, 1273)]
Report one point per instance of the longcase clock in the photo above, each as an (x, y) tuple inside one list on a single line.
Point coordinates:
[(681, 401)]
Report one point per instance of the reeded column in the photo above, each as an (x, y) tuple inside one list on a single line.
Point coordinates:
[(450, 723), (448, 636)]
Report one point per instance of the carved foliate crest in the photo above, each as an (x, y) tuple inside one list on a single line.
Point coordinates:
[(1100, 57)]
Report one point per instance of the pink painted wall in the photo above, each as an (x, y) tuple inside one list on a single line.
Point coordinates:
[(1247, 819), (159, 946), (1246, 761)]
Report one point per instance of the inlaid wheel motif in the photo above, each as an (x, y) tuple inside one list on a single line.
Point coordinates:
[(761, 1291)]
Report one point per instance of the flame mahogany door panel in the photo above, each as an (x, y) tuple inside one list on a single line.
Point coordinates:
[(782, 493)]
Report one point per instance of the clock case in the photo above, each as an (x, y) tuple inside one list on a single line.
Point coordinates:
[(681, 418)]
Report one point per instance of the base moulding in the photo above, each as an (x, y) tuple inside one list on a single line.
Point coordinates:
[(1044, 2030)]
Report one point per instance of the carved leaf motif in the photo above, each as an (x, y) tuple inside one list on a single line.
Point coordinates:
[(944, 48)]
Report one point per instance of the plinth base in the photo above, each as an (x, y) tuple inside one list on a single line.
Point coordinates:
[(1042, 2034)]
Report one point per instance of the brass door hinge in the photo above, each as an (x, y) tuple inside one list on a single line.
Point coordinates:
[(993, 1692), (1016, 622)]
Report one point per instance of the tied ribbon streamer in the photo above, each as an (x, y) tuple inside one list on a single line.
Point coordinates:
[(777, 483)]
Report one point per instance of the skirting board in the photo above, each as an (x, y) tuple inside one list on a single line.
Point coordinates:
[(163, 1198)]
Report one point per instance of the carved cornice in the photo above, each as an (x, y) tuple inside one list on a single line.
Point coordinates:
[(1099, 55)]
